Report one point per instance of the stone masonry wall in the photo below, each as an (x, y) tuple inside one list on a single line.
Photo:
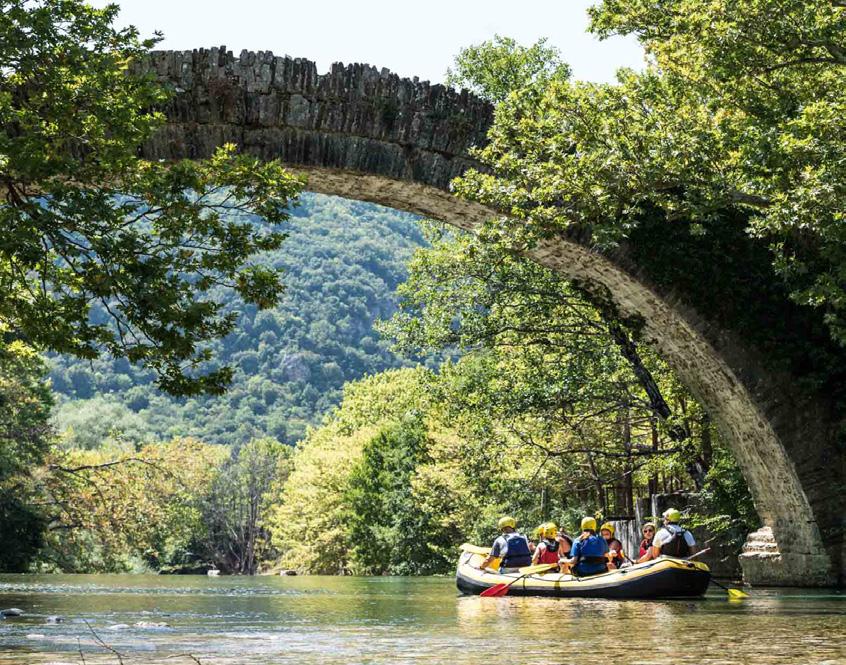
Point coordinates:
[(354, 117)]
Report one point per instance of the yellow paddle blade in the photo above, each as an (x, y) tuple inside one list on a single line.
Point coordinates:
[(529, 570), (737, 594), (473, 549)]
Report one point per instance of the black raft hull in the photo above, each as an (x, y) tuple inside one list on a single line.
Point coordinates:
[(663, 578)]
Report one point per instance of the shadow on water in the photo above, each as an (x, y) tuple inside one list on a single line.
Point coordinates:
[(263, 620)]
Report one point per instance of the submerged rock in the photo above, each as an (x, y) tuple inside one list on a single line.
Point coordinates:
[(118, 626), (185, 569), (54, 619), (152, 625), (11, 612)]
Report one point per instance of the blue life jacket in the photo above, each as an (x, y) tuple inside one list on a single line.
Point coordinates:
[(517, 552), (591, 555), (593, 546)]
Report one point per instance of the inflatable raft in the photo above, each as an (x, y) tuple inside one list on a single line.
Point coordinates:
[(665, 577)]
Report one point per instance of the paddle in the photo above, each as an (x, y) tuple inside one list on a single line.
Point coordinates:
[(692, 556), (502, 588), (733, 594)]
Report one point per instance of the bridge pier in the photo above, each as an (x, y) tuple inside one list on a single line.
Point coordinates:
[(765, 564)]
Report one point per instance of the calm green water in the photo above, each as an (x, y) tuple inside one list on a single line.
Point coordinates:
[(331, 620)]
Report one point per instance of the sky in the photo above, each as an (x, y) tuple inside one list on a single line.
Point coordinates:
[(411, 39)]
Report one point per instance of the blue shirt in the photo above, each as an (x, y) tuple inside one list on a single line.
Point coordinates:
[(592, 546)]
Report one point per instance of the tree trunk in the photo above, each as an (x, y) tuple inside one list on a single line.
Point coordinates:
[(656, 444), (628, 485), (601, 496), (707, 446)]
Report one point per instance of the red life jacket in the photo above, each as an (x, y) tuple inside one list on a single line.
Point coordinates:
[(549, 551), (645, 546)]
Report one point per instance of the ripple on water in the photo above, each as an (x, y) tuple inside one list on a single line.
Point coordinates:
[(88, 589), (307, 621)]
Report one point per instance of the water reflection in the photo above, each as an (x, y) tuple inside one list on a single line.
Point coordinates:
[(230, 621)]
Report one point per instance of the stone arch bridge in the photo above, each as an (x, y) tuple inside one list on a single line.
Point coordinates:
[(366, 134)]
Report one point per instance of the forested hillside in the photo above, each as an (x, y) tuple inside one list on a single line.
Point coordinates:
[(343, 261)]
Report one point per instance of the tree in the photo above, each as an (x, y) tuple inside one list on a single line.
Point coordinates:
[(737, 114), (235, 509), (497, 67), (25, 440), (85, 221), (386, 527), (114, 510), (312, 517)]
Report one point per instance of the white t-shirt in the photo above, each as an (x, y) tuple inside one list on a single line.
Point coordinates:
[(665, 535)]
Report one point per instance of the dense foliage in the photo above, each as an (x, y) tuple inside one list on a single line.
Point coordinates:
[(84, 221), (180, 506), (738, 110), (559, 374), (314, 522), (414, 463), (25, 441), (113, 509), (385, 486), (342, 263)]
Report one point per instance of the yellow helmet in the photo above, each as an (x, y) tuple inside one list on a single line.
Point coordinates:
[(549, 530), (506, 522), (588, 524), (671, 515), (608, 526)]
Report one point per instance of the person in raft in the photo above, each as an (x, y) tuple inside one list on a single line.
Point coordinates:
[(511, 547), (672, 540), (549, 548), (616, 557), (587, 556), (648, 531), (565, 544)]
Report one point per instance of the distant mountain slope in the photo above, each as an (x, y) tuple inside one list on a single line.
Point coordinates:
[(343, 261)]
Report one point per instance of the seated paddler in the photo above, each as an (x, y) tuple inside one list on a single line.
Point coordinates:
[(549, 548), (588, 554), (616, 556), (511, 547), (672, 539)]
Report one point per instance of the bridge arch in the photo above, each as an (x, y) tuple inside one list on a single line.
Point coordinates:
[(367, 134)]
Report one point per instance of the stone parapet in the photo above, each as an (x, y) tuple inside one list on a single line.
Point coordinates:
[(354, 117)]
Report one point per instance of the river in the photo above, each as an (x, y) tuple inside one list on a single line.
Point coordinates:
[(329, 620)]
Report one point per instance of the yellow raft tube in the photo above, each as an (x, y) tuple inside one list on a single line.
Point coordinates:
[(665, 577)]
